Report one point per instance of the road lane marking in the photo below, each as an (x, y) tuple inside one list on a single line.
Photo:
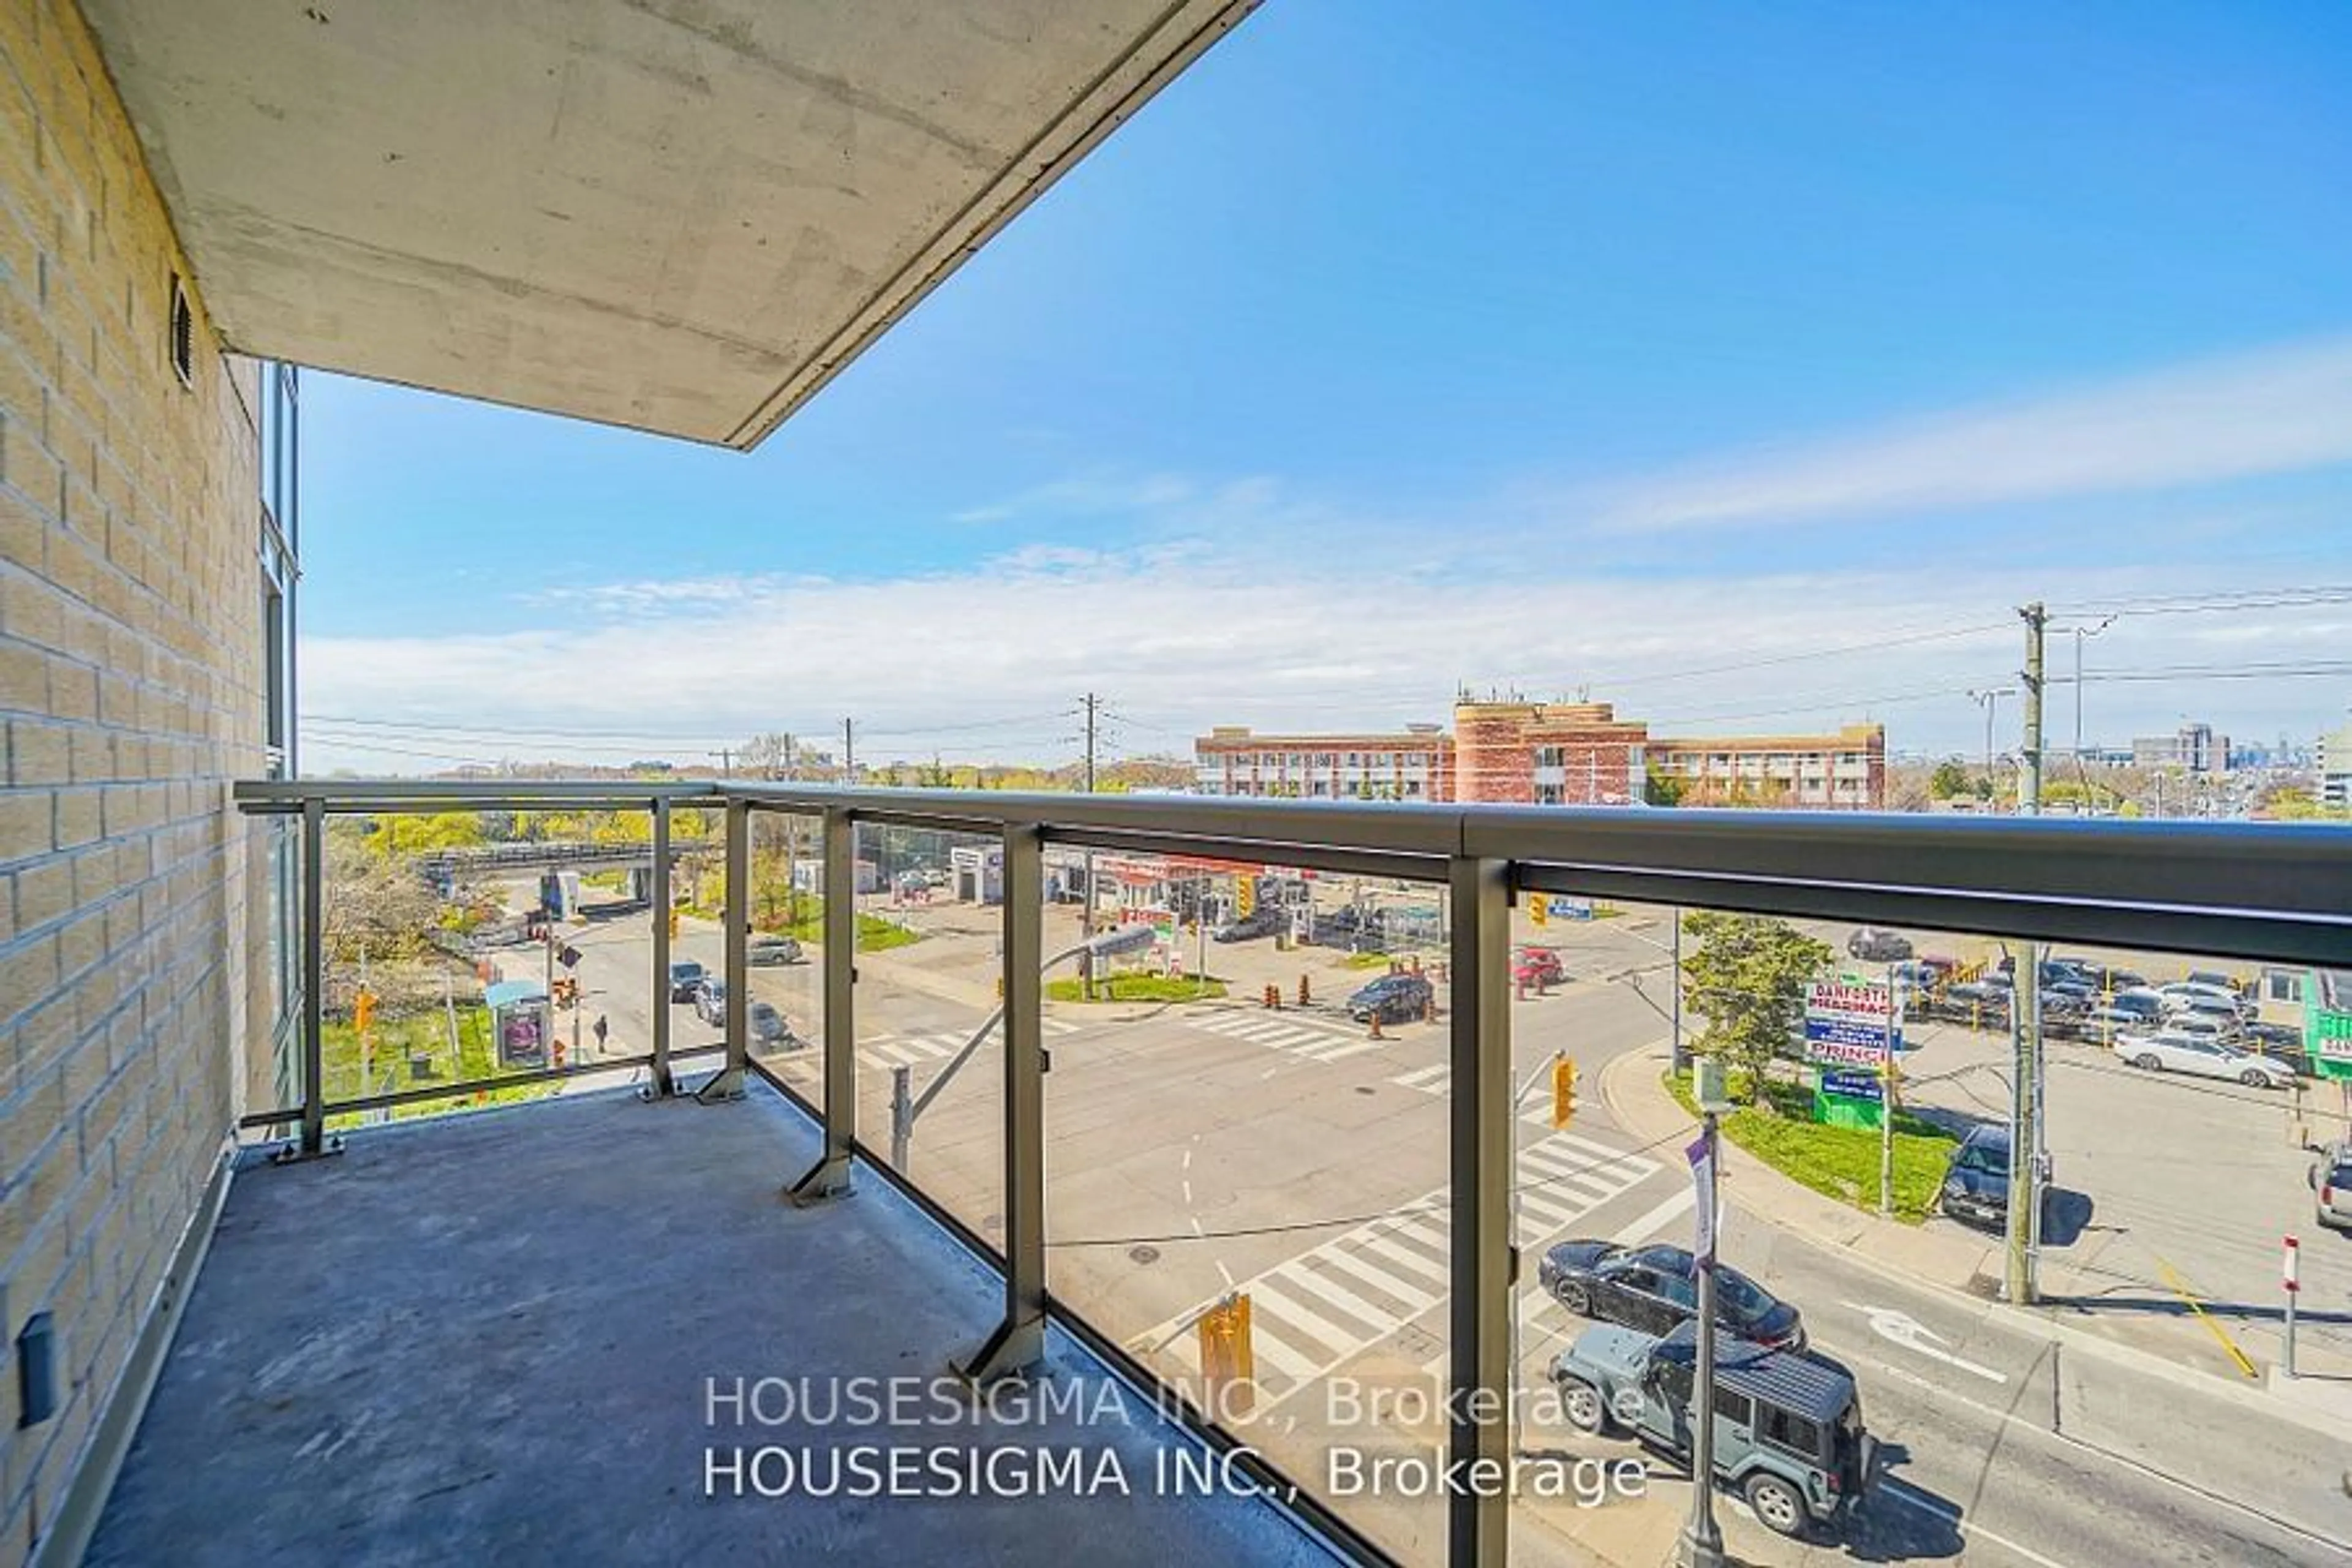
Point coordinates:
[(1336, 1300), (1901, 1329), (1657, 1219), (1901, 1491)]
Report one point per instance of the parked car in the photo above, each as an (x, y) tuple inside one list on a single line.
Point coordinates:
[(2222, 1029), (1538, 967), (1263, 920), (2105, 978), (2219, 981), (1976, 1179), (2281, 1043), (2184, 991), (2140, 1000), (1976, 1004), (710, 1000), (2104, 1025), (1873, 945), (1654, 1287), (768, 1027), (762, 951), (1392, 999), (1918, 975), (2331, 1186), (1789, 1435), (685, 980), (2170, 1050)]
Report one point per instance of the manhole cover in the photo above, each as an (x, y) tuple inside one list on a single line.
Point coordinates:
[(1143, 1255)]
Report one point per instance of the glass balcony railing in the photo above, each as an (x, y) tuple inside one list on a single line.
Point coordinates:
[(1364, 1135)]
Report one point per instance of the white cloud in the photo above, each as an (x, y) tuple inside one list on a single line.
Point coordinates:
[(2277, 412), (986, 663)]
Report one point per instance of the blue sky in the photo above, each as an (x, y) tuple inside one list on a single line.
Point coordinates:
[(1396, 346)]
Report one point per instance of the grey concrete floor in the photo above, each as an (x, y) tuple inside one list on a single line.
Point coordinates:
[(491, 1338)]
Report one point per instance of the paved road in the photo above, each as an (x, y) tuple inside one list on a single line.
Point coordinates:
[(1197, 1150)]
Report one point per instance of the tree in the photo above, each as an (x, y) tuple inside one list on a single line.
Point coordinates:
[(401, 834), (373, 906), (1663, 788), (1748, 979), (1949, 779)]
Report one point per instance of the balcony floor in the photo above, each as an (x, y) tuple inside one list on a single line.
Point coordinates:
[(486, 1339)]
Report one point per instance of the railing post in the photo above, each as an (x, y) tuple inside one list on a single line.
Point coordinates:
[(1019, 1341), (829, 1176), (312, 1140), (1485, 1264), (729, 1084), (664, 1084)]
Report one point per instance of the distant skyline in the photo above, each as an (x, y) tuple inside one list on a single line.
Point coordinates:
[(1391, 350)]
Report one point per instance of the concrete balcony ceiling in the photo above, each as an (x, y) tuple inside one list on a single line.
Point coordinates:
[(680, 215)]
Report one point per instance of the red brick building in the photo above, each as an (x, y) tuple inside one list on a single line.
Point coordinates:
[(1552, 753)]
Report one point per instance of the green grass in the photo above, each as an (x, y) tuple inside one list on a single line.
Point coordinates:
[(1136, 988), (1841, 1163), (875, 935), (427, 1033)]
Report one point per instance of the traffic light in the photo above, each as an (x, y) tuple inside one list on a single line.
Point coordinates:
[(1539, 908), (1246, 895), (364, 1010), (1228, 1356), (1563, 1091)]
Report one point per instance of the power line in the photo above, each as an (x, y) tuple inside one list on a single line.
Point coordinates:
[(1904, 640)]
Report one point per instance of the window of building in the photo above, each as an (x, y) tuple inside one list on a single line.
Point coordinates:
[(1550, 794)]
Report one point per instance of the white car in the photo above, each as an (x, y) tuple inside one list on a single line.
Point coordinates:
[(2173, 1051), (2187, 993), (2202, 1026)]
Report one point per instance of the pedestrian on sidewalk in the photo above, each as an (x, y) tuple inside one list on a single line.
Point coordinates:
[(600, 1031)]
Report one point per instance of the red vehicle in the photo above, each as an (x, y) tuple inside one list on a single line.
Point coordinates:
[(1538, 967)]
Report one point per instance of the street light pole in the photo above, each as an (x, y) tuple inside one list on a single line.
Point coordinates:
[(1702, 1539)]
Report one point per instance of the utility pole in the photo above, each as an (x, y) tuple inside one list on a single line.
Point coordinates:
[(2029, 777), (2025, 1010), (726, 756), (849, 751), (1087, 910)]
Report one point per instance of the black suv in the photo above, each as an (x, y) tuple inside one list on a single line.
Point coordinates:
[(1392, 998)]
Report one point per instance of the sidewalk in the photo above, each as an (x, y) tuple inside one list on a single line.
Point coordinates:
[(1971, 1267)]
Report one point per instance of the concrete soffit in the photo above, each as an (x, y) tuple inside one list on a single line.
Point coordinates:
[(683, 216)]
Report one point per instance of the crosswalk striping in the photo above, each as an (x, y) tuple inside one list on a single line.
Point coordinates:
[(1318, 1041), (906, 1050), (1311, 1313), (1438, 1079)]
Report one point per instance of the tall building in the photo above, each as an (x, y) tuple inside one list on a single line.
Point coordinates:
[(2193, 747), (1552, 753)]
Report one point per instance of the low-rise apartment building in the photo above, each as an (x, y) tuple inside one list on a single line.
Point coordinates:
[(1552, 753)]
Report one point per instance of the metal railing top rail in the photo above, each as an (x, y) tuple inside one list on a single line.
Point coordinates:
[(2280, 892)]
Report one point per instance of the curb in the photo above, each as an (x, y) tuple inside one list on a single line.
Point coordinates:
[(2024, 1320)]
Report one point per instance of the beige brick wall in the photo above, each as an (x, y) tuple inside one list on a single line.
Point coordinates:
[(130, 693)]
